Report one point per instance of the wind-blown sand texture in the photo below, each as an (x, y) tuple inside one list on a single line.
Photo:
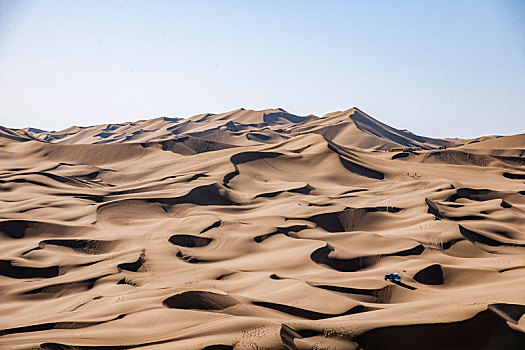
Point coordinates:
[(259, 230)]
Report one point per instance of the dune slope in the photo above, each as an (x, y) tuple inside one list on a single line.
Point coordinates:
[(350, 128), (258, 230)]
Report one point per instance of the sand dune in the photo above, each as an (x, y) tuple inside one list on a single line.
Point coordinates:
[(350, 128), (503, 146), (259, 229)]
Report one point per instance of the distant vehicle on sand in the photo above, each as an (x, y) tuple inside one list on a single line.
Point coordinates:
[(393, 276)]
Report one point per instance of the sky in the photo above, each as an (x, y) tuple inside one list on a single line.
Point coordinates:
[(437, 68)]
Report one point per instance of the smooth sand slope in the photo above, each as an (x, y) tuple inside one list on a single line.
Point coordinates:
[(259, 230)]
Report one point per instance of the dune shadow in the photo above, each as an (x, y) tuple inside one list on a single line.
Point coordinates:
[(308, 314), (199, 300), (485, 331), (189, 241), (20, 272)]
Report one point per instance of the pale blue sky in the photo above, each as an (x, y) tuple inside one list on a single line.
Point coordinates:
[(438, 68)]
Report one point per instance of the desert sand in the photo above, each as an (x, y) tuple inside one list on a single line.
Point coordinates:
[(260, 230)]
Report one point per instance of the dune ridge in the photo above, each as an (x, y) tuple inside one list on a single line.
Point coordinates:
[(350, 128), (260, 229)]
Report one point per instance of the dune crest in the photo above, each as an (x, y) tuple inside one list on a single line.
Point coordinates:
[(350, 128), (260, 229)]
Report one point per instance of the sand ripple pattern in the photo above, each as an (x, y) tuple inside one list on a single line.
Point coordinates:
[(192, 244)]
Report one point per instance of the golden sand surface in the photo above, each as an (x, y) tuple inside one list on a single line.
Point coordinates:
[(260, 230)]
